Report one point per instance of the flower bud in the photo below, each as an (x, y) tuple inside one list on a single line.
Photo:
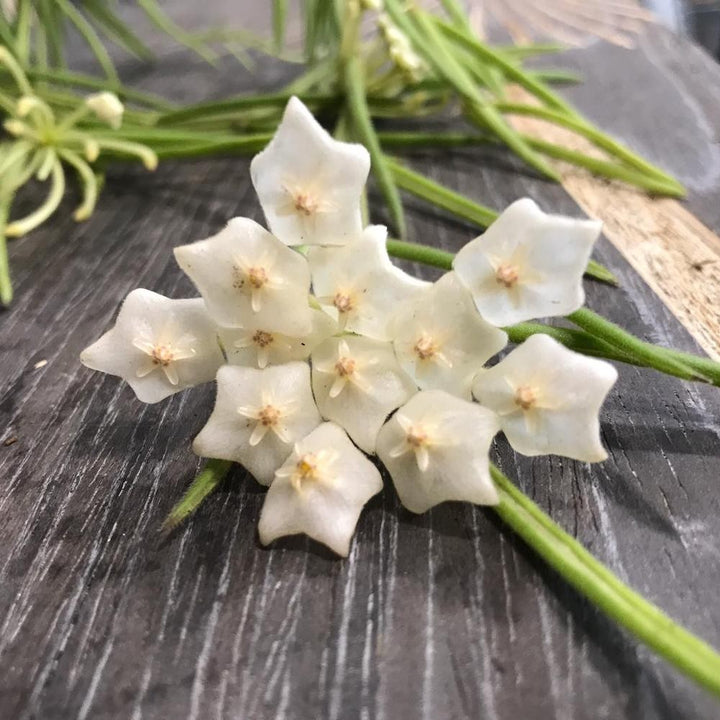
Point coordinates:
[(107, 107)]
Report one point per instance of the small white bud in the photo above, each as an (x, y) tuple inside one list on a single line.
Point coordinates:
[(107, 107)]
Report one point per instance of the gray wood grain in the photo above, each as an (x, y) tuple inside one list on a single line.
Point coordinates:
[(446, 615)]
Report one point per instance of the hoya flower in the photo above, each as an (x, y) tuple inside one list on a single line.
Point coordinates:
[(320, 490), (359, 284), (441, 341), (258, 346), (107, 107), (248, 277), (160, 346), (548, 399), (527, 264), (436, 449), (309, 184), (258, 416), (358, 382)]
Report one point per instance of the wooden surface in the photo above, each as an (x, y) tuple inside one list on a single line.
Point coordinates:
[(446, 615)]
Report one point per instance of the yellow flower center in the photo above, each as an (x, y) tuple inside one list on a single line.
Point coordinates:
[(343, 302), (268, 416), (262, 338), (162, 355), (525, 397), (507, 275), (345, 366), (425, 347)]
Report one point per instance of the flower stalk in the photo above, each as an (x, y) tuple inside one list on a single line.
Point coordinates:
[(604, 589)]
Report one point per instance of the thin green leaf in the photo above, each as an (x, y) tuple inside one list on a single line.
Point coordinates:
[(91, 37), (205, 482), (280, 9), (604, 589), (116, 30), (357, 104)]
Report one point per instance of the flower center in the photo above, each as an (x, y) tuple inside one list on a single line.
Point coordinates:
[(525, 397), (162, 355), (345, 366), (343, 302), (305, 203), (425, 347), (507, 275), (416, 437), (262, 339), (257, 277), (268, 416)]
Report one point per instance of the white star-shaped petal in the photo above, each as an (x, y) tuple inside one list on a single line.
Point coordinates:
[(358, 382), (436, 448), (160, 346), (359, 284), (258, 347), (320, 490), (548, 399), (309, 184), (441, 341), (258, 416), (527, 264), (247, 276)]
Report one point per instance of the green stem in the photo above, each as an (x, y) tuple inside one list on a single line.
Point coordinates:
[(357, 105), (581, 127), (6, 291), (598, 166), (207, 480), (420, 253), (39, 216), (671, 362), (441, 196), (603, 588)]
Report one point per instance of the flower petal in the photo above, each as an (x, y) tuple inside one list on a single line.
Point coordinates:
[(452, 464), (230, 434), (220, 265), (361, 408), (568, 391), (147, 320), (441, 341), (527, 264), (326, 507), (310, 184)]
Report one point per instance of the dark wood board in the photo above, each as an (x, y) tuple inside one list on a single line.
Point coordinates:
[(446, 615)]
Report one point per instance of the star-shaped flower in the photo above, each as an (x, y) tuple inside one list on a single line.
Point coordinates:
[(441, 341), (309, 184), (160, 346), (258, 416), (320, 490), (258, 346), (436, 448), (527, 264), (247, 276), (358, 382), (548, 399), (359, 284)]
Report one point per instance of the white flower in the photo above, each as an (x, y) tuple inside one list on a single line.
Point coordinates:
[(436, 449), (258, 416), (441, 341), (548, 399), (320, 490), (358, 383), (527, 264), (309, 184), (359, 284), (160, 346), (248, 277), (256, 345), (107, 107)]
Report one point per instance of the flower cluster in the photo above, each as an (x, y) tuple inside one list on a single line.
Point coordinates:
[(325, 353)]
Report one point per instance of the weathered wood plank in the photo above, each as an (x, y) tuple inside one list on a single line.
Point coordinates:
[(440, 616)]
